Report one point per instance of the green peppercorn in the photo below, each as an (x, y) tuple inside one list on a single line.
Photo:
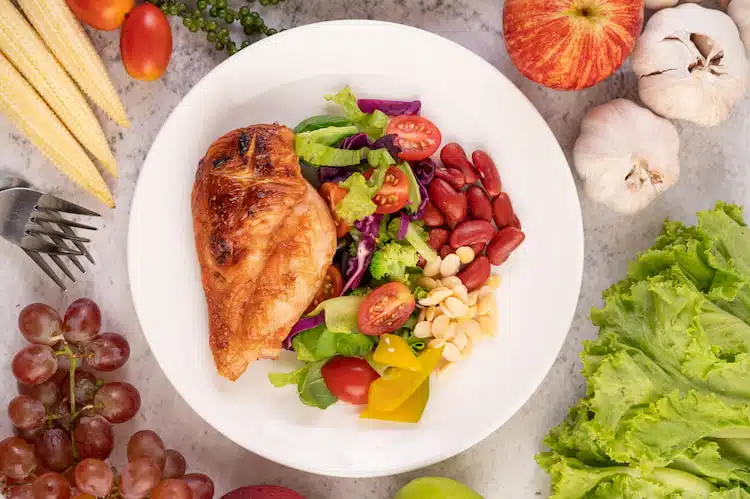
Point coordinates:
[(244, 10), (221, 12), (211, 25), (164, 8), (223, 32), (182, 7), (245, 21), (232, 50), (219, 46), (229, 18), (202, 5), (221, 3), (264, 3), (173, 11), (271, 32), (245, 44), (248, 30), (211, 36), (201, 23), (255, 15), (214, 11)]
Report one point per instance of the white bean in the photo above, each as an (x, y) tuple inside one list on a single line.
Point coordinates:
[(435, 296), (450, 265), (451, 353), (456, 307), (422, 330), (431, 269), (465, 254), (440, 326)]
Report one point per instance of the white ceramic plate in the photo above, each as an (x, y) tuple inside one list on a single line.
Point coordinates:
[(283, 79)]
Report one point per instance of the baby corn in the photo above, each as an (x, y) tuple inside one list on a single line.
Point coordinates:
[(23, 106), (27, 52), (67, 39)]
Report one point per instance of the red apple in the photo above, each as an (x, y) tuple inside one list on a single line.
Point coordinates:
[(570, 44)]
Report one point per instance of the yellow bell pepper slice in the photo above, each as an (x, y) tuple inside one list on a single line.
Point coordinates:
[(409, 412), (391, 390), (394, 351)]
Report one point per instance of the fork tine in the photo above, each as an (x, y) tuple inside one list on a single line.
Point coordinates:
[(50, 202), (58, 261), (62, 221), (56, 235), (80, 247), (61, 242), (37, 258), (38, 245)]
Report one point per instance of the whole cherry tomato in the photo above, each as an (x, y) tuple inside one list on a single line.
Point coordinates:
[(146, 42)]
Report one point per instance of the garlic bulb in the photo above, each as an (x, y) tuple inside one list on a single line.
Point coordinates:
[(739, 11), (660, 4), (690, 64), (626, 155)]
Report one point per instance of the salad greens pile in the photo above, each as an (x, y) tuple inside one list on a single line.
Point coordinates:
[(353, 152), (667, 409)]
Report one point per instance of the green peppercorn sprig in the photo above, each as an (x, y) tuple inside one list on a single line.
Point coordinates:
[(220, 17)]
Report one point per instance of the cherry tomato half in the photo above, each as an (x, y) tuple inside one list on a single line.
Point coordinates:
[(146, 42), (332, 285), (417, 137), (104, 15), (349, 379), (333, 193), (386, 309), (394, 194)]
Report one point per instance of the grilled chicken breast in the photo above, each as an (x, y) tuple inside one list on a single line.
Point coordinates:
[(264, 239)]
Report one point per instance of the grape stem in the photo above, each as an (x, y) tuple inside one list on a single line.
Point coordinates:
[(83, 409)]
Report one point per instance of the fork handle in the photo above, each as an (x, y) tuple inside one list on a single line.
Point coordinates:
[(9, 180)]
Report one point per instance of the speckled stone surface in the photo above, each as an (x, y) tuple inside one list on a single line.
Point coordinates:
[(713, 167)]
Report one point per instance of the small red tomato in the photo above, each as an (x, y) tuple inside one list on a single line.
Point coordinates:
[(349, 379), (417, 137), (385, 309), (104, 15), (146, 42)]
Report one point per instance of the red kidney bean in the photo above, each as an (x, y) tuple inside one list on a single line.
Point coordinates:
[(479, 204), (451, 203), (438, 238), (502, 210), (422, 262), (472, 232), (453, 156), (451, 175), (488, 173), (503, 244), (478, 248), (432, 216), (445, 251), (476, 273)]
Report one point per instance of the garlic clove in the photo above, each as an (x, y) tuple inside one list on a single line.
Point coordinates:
[(626, 155), (660, 4), (739, 11), (691, 64)]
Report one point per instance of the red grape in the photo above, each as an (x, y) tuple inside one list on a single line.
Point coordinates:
[(108, 351), (47, 393), (200, 484), (40, 323), (16, 458), (138, 478), (51, 486), (54, 450), (84, 496), (34, 364), (174, 465), (117, 401), (94, 437), (82, 321), (21, 492), (29, 435), (26, 413), (85, 387), (93, 476), (172, 488), (61, 415), (148, 444)]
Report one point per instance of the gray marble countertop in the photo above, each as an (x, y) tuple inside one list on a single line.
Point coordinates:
[(713, 167)]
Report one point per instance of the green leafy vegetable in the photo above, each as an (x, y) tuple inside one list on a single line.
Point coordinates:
[(415, 198), (341, 313), (363, 291), (391, 261), (372, 124), (323, 155), (416, 236), (320, 343), (311, 388), (327, 136), (668, 378), (322, 121), (358, 204)]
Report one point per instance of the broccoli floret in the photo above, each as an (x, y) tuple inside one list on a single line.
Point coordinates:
[(416, 236), (391, 261)]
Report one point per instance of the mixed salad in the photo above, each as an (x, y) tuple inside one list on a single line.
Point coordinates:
[(410, 289)]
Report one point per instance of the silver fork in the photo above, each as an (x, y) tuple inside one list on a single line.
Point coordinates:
[(33, 221)]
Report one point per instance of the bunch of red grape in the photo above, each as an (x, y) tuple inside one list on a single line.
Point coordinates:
[(63, 418)]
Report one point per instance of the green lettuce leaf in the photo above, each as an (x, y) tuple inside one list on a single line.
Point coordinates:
[(319, 344), (372, 124), (312, 388)]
